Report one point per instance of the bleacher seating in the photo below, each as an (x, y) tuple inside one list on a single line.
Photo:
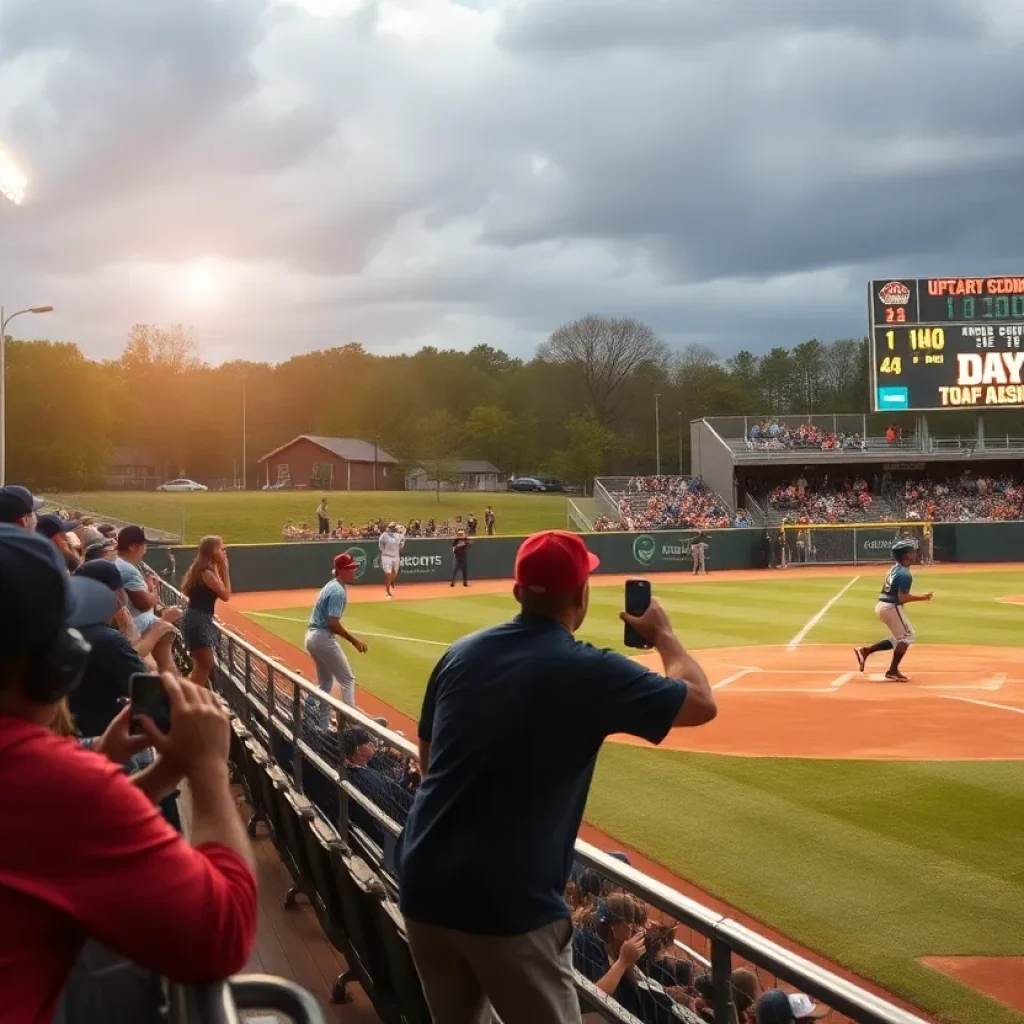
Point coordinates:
[(966, 497), (664, 503), (818, 501)]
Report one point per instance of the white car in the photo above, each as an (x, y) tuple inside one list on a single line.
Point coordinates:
[(182, 485)]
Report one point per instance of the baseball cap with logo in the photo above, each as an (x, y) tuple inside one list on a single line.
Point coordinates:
[(16, 502), (37, 596), (344, 562), (554, 562), (778, 1007), (51, 525)]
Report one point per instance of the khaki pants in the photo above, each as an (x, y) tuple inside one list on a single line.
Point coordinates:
[(526, 979)]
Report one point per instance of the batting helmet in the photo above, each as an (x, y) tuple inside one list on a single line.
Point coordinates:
[(903, 547)]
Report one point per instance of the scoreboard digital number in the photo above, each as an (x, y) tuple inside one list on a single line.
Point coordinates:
[(947, 343)]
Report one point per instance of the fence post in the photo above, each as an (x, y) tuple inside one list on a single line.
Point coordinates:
[(246, 678), (270, 713), (721, 983), (342, 822), (296, 733)]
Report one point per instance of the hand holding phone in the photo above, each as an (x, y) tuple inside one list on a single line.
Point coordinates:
[(638, 600), (148, 697)]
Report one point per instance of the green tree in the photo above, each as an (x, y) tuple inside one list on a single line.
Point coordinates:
[(438, 447), (587, 451)]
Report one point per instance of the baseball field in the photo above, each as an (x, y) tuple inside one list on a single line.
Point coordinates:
[(877, 824)]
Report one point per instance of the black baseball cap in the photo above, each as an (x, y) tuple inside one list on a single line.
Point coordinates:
[(102, 571), (16, 502), (129, 536), (51, 524), (354, 738), (37, 596)]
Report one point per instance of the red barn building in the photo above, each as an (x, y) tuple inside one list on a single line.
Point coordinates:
[(332, 464)]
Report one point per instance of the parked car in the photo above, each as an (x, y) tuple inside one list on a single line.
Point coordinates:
[(534, 483), (182, 485)]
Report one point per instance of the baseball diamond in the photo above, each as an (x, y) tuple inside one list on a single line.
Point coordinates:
[(873, 793)]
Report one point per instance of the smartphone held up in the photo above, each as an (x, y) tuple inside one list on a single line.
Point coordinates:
[(148, 697), (638, 600)]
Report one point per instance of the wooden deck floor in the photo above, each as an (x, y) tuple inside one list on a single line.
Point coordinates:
[(289, 943)]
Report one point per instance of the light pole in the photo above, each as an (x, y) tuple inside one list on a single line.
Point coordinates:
[(4, 321), (245, 444), (657, 432), (680, 415)]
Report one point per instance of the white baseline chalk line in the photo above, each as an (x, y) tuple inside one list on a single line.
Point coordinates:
[(818, 616), (731, 679), (982, 703), (361, 632)]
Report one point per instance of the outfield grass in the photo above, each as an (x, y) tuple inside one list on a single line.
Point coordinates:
[(257, 517), (873, 864)]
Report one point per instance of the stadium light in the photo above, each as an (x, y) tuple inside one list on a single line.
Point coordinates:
[(13, 182), (4, 321)]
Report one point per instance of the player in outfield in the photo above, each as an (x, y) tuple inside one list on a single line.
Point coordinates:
[(895, 594), (391, 543)]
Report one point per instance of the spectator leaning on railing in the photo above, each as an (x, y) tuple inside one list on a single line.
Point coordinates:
[(512, 722), (85, 854)]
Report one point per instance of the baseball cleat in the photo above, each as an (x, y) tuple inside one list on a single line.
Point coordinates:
[(862, 660), (897, 677)]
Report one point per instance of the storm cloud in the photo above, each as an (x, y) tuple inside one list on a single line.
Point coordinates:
[(408, 172)]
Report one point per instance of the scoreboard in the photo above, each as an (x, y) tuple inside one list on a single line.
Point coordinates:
[(947, 343)]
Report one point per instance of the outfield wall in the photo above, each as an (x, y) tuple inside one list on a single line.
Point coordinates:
[(307, 564)]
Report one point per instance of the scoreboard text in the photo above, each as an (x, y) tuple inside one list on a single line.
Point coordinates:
[(947, 343)]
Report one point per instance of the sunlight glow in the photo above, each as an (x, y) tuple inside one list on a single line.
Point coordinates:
[(12, 181), (203, 282)]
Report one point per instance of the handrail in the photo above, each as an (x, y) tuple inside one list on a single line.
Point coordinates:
[(726, 936)]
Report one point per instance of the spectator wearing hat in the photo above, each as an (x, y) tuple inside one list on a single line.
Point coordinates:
[(57, 531), (333, 672), (359, 749), (488, 846), (87, 532), (101, 549), (778, 1007), (18, 506), (141, 594), (112, 869)]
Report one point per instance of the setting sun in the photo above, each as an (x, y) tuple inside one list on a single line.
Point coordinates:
[(203, 282)]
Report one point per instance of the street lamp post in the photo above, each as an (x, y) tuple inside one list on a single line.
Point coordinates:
[(4, 321), (657, 432), (680, 415)]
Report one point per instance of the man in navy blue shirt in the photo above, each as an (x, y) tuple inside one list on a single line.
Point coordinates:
[(512, 722)]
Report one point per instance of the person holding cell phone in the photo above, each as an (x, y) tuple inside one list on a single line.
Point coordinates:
[(207, 580), (101, 862), (488, 846)]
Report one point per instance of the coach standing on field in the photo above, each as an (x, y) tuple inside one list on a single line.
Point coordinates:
[(512, 722)]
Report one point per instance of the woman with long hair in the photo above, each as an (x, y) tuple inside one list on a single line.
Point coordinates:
[(207, 579)]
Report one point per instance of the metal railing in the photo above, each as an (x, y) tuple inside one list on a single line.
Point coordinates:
[(290, 716), (575, 518)]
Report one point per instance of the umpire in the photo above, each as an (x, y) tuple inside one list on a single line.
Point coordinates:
[(460, 554)]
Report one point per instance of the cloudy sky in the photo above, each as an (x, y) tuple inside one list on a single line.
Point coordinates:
[(292, 174)]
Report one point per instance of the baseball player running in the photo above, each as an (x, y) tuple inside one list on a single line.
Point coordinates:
[(391, 543), (895, 594), (333, 672)]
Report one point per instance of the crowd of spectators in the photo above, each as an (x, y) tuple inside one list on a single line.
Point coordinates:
[(672, 502), (471, 524), (964, 498), (117, 875), (821, 502), (769, 435)]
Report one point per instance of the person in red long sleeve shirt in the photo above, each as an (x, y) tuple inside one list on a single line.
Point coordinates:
[(84, 851)]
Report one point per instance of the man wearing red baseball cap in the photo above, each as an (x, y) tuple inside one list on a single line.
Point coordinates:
[(333, 672), (512, 722)]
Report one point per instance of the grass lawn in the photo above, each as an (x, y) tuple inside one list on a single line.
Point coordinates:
[(256, 517), (871, 863)]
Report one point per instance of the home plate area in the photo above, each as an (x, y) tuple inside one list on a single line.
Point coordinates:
[(961, 703)]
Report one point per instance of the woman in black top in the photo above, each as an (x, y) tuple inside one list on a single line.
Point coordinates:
[(207, 579)]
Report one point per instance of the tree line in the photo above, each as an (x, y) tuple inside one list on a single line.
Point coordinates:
[(583, 405)]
